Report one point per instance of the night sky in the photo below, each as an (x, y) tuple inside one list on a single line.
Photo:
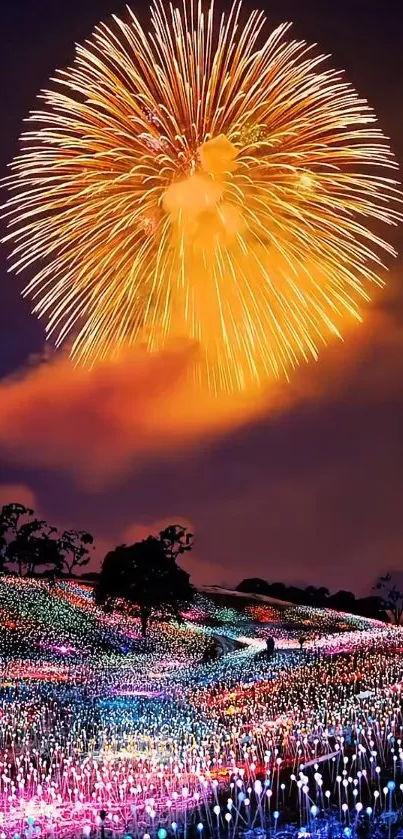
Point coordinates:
[(306, 488)]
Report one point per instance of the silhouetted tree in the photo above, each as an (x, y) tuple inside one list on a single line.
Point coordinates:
[(343, 601), (10, 519), (74, 548), (26, 542), (176, 540), (370, 607), (254, 585), (317, 596), (35, 555), (3, 545), (147, 577), (391, 592), (30, 546)]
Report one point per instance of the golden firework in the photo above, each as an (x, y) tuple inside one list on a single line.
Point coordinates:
[(201, 181)]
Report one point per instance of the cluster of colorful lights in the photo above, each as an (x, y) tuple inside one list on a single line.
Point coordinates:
[(94, 719)]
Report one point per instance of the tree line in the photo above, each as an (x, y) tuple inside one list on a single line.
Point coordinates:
[(146, 575), (31, 547), (386, 605)]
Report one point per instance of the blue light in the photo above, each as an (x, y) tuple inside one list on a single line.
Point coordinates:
[(276, 815), (162, 833), (391, 786), (200, 827)]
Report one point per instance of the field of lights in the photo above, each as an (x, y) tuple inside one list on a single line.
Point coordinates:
[(103, 734)]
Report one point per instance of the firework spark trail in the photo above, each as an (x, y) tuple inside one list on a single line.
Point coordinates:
[(201, 182)]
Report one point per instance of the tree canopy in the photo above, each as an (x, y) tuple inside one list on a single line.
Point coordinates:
[(147, 577), (31, 547)]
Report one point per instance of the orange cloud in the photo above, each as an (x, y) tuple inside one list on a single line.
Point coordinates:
[(96, 425), (17, 494)]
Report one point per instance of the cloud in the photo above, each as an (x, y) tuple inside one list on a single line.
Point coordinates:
[(99, 425), (17, 494), (366, 366), (325, 523), (269, 477), (95, 424)]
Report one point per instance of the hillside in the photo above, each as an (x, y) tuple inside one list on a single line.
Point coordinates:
[(94, 718)]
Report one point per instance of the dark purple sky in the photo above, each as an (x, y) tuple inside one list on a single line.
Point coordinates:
[(311, 492)]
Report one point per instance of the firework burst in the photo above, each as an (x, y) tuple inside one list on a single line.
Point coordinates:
[(201, 181)]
